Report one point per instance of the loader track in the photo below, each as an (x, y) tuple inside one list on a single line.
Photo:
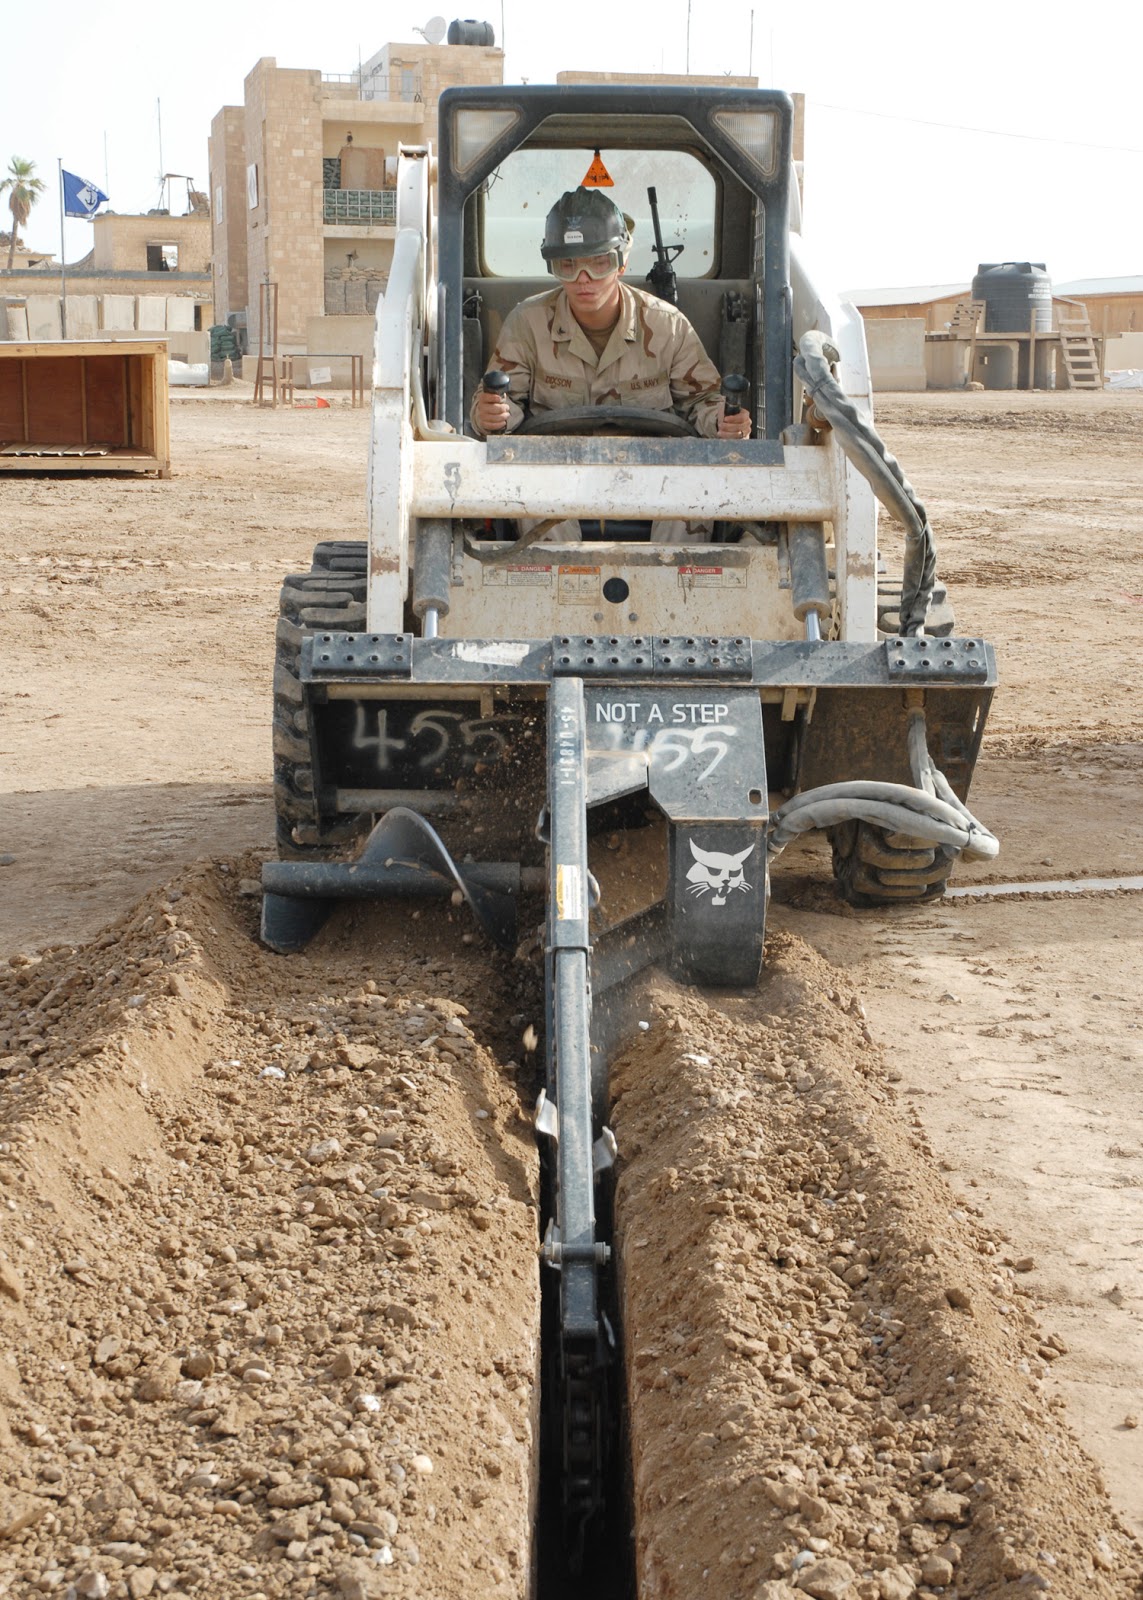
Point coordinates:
[(324, 598)]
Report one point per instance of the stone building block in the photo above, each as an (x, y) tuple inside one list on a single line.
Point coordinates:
[(355, 300), (44, 316), (334, 297)]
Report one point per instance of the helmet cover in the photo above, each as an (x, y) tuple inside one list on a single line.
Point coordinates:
[(584, 222)]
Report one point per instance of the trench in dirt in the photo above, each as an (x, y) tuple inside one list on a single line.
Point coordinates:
[(268, 1274)]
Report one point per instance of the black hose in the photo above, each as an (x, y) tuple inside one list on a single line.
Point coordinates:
[(862, 445)]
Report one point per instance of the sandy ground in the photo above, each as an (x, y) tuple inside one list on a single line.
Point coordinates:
[(134, 746)]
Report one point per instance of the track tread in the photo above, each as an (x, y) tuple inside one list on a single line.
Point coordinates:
[(310, 602), (874, 869)]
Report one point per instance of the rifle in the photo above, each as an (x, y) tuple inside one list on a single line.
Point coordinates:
[(662, 274)]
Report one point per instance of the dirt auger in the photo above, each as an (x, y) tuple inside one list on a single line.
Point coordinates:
[(615, 736)]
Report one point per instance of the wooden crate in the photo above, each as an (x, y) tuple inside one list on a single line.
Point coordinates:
[(85, 406)]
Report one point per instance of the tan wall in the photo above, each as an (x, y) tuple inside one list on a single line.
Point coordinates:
[(227, 146), (373, 124), (935, 314), (121, 241), (1111, 313), (1124, 350), (284, 230), (290, 119), (436, 67)]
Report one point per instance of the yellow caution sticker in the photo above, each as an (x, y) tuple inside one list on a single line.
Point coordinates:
[(597, 175), (571, 905)]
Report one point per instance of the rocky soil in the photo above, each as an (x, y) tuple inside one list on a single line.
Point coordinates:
[(268, 1279)]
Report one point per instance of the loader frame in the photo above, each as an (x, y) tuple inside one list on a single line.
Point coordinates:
[(671, 693)]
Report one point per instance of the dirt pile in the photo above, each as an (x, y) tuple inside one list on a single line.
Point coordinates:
[(267, 1265), (836, 1384)]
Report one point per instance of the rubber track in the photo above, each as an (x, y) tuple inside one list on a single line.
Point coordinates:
[(873, 868), (310, 602)]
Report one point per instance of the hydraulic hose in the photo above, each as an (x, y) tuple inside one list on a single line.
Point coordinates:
[(863, 446), (895, 807), (931, 810)]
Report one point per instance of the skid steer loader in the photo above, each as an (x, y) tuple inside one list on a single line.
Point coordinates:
[(608, 735)]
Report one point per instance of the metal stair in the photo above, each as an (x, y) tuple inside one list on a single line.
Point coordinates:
[(1077, 347)]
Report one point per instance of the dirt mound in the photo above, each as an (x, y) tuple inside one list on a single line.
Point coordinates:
[(268, 1264), (836, 1384), (268, 1270)]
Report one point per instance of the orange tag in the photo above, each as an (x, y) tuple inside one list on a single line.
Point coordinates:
[(597, 176)]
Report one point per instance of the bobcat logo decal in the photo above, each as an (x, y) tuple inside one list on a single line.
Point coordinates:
[(714, 870)]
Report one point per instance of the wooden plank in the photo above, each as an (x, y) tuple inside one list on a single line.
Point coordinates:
[(103, 389), (12, 402), (55, 401), (10, 350)]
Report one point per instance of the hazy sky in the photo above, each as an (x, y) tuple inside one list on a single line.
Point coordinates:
[(936, 137)]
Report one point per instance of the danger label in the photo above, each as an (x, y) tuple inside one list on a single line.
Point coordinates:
[(693, 577), (516, 577)]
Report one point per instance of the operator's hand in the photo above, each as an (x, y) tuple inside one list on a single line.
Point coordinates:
[(736, 427), (491, 412)]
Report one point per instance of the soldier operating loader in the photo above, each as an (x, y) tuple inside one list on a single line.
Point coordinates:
[(613, 644)]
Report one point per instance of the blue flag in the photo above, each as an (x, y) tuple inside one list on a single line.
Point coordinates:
[(81, 199)]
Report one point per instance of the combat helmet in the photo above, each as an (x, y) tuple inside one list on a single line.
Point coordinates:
[(584, 222)]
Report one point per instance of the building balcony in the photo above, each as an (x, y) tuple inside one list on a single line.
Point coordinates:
[(360, 207)]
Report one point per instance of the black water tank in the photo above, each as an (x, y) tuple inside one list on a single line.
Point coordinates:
[(470, 32), (1014, 292)]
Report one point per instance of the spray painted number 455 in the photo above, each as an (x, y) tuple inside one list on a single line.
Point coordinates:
[(431, 736)]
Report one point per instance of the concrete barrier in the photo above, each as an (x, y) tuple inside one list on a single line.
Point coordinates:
[(44, 317), (118, 313), (896, 352)]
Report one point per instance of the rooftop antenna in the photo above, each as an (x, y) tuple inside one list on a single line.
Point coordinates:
[(433, 31)]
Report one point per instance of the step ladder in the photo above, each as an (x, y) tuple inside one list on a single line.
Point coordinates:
[(1077, 347)]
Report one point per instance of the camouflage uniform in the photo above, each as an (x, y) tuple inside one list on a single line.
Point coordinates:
[(654, 361)]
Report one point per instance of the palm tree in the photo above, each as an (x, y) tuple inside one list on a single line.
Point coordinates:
[(24, 189)]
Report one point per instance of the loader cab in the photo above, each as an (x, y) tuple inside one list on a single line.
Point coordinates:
[(719, 161)]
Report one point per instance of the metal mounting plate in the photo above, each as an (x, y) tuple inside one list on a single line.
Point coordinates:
[(347, 655), (699, 656), (686, 656), (586, 655), (936, 660)]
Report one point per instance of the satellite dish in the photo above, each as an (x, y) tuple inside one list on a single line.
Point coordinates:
[(434, 30)]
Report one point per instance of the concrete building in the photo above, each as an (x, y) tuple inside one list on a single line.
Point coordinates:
[(143, 275), (301, 180)]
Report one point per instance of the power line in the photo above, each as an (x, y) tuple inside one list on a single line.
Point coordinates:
[(995, 133)]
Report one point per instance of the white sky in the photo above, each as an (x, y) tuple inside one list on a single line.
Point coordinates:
[(936, 137)]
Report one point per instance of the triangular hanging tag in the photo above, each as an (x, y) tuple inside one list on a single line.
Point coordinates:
[(597, 175)]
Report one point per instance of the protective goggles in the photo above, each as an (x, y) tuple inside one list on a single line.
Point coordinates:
[(568, 268)]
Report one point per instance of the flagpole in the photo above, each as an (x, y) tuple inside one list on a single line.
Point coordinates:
[(63, 268)]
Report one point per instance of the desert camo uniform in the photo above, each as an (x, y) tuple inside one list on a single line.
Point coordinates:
[(653, 360)]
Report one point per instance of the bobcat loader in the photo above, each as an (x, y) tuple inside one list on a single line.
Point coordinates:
[(606, 736)]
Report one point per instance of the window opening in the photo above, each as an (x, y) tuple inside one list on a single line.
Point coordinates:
[(522, 190)]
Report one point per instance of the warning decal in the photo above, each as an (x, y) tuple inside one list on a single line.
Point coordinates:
[(516, 576), (694, 577), (597, 175), (578, 586)]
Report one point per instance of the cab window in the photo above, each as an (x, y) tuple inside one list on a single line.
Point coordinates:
[(520, 193)]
